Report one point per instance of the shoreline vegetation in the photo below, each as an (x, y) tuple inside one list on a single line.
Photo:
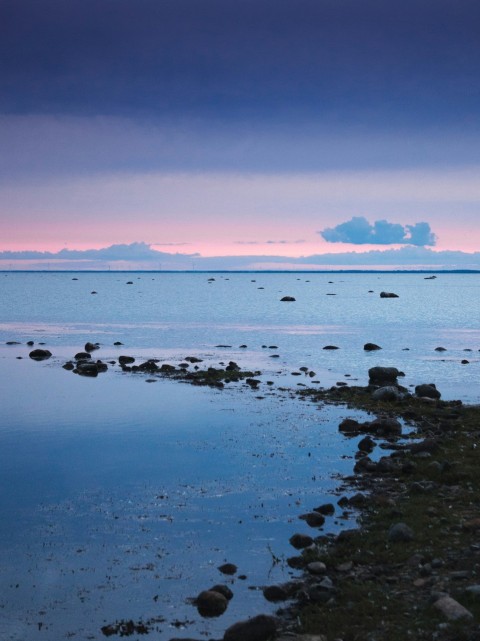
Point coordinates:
[(411, 569)]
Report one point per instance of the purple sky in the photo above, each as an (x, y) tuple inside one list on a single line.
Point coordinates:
[(240, 128)]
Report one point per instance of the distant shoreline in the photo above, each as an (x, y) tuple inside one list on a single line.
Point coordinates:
[(240, 271)]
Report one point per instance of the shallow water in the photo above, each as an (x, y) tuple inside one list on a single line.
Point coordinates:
[(120, 499)]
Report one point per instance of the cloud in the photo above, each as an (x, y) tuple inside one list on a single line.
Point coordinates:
[(358, 231), (141, 256), (269, 242)]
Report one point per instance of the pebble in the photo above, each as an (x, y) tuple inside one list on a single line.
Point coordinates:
[(452, 609)]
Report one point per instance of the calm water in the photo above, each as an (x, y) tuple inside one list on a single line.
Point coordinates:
[(119, 499)]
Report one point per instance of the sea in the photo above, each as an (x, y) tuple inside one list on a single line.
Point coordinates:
[(121, 497)]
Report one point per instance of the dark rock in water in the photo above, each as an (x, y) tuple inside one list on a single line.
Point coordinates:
[(383, 375), (85, 368), (429, 277), (93, 292), (385, 425), (69, 366), (13, 343), (91, 347), (331, 347), (101, 366), (388, 295), (313, 519), (125, 360), (371, 347), (327, 509), (350, 426), (367, 444), (130, 282), (228, 568), (82, 356), (465, 362), (149, 366), (427, 390), (193, 359), (166, 368), (118, 343), (440, 349), (232, 367), (300, 541), (40, 354), (224, 590), (260, 628), (223, 346), (30, 343), (211, 604), (400, 533), (253, 382), (276, 593), (287, 299)]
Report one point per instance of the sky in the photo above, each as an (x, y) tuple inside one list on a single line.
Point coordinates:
[(239, 133)]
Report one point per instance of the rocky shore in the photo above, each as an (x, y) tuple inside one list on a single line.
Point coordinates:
[(411, 567)]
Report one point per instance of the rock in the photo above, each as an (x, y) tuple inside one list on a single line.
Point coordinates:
[(12, 343), (69, 366), (275, 593), (118, 343), (300, 541), (451, 609), (473, 591), (228, 568), (465, 362), (287, 299), (400, 533), (316, 568), (331, 347), (30, 343), (427, 390), (383, 375), (193, 359), (40, 354), (387, 393), (367, 444), (350, 426), (85, 368), (260, 628), (223, 589), (91, 347), (386, 425), (211, 604), (125, 360), (327, 509), (388, 295), (371, 347), (82, 356), (440, 349), (313, 519)]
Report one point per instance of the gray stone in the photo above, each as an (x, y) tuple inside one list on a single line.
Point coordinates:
[(387, 393), (386, 425), (400, 533), (316, 568), (427, 390), (451, 609)]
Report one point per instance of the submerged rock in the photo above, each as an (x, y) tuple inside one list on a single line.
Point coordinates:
[(211, 603), (388, 295), (287, 299)]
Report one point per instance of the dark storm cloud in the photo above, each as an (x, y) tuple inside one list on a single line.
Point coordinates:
[(414, 60), (359, 231)]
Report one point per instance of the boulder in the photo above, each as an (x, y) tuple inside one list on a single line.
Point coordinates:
[(371, 347), (260, 628), (427, 390), (383, 375), (451, 609), (313, 519), (388, 295), (400, 533), (331, 347), (40, 354), (86, 368), (82, 356), (385, 425), (287, 299), (228, 568), (223, 589), (125, 360), (91, 347), (300, 541), (387, 393), (211, 603)]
